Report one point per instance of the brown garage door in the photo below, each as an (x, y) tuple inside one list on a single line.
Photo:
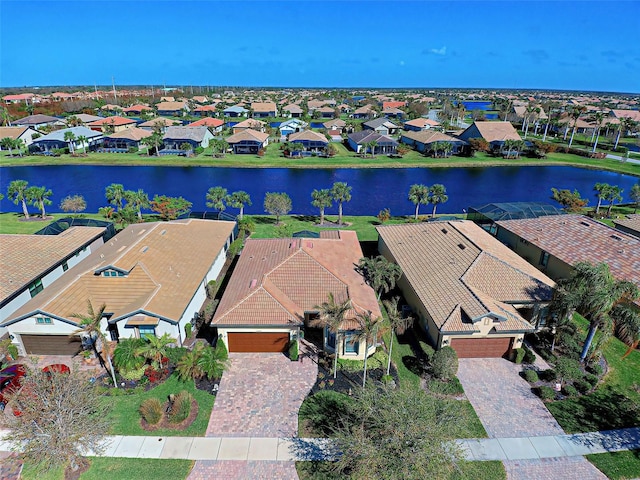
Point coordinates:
[(258, 342), (50, 344), (481, 347)]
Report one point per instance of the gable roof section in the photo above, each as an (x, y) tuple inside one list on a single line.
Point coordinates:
[(308, 135), (58, 135), (207, 122), (430, 136), (491, 131), (460, 273), (36, 120), (247, 135), (171, 106), (263, 107), (197, 134), (366, 136), (421, 122), (115, 121), (12, 132), (250, 123), (133, 133), (377, 122)]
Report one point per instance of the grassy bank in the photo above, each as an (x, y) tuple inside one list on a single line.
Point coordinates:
[(16, 223), (343, 159), (120, 469)]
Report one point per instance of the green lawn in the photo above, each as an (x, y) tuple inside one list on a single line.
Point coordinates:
[(121, 469), (15, 223), (126, 419), (615, 402), (618, 465)]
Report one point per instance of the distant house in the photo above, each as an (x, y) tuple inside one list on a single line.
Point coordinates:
[(250, 123), (292, 125), (172, 109), (175, 137), (84, 118), (391, 112), (118, 123), (364, 112), (213, 124), (38, 121), (158, 122), (419, 124), (200, 99), (467, 290), (630, 225), (493, 132), (151, 276), (248, 141), (335, 124), (26, 98), (205, 111), (393, 104), (325, 112), (423, 141), (24, 134), (56, 140), (264, 109), (381, 126), (235, 111), (310, 141), (360, 141), (275, 289), (110, 109), (292, 111), (124, 140), (137, 109)]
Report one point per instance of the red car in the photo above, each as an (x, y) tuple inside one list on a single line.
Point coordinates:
[(10, 380)]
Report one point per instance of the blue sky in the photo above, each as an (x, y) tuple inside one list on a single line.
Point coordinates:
[(587, 45)]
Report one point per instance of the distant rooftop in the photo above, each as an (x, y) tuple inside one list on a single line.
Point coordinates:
[(511, 211)]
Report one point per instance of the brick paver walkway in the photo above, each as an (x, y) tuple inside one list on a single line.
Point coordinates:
[(241, 470), (507, 408)]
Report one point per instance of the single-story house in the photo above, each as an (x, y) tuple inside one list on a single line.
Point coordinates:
[(325, 112), (175, 137), (467, 290), (31, 263), (292, 110), (24, 134), (392, 112), (419, 124), (292, 125), (213, 124), (118, 123), (620, 113), (172, 109), (152, 278), (264, 109), (393, 104), (358, 141), (493, 132), (205, 111), (364, 112), (250, 123), (309, 140), (381, 125), (555, 243), (277, 285), (248, 141), (137, 109), (122, 141), (335, 124), (56, 139), (38, 121), (423, 141), (630, 225), (159, 122), (235, 111)]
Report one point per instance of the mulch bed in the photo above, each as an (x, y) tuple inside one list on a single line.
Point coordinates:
[(209, 386), (165, 423), (83, 466), (35, 218)]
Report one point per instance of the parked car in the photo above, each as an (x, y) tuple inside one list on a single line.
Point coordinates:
[(10, 380)]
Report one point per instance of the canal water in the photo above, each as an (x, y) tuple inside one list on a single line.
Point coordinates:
[(373, 189)]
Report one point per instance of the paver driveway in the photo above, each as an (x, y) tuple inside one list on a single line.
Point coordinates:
[(507, 408)]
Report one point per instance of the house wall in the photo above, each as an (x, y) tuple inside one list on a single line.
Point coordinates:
[(354, 146), (28, 326), (223, 332), (342, 347)]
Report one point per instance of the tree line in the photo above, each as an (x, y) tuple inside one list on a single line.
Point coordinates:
[(573, 202)]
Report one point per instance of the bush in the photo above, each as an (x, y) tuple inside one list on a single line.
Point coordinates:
[(221, 349), (596, 369), (188, 329), (582, 385), (545, 393), (568, 369), (133, 375), (518, 355), (293, 351), (591, 379), (548, 375), (175, 354), (548, 355), (126, 357), (428, 350), (181, 407), (452, 387), (570, 391), (132, 150), (198, 150), (529, 356), (531, 376), (323, 410), (151, 410), (247, 225), (444, 363)]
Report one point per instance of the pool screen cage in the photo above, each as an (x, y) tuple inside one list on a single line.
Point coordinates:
[(494, 212)]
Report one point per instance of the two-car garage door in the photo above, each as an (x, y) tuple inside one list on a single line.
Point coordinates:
[(482, 347), (258, 342), (50, 344)]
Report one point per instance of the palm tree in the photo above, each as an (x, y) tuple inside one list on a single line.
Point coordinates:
[(216, 197), (635, 196), (397, 324), (115, 195), (83, 140), (623, 128), (331, 316), (90, 327), (155, 349), (437, 194), (5, 118), (418, 195), (238, 200), (576, 112), (322, 199), (17, 193), (70, 138), (379, 273), (372, 147), (614, 194), (137, 200), (602, 190), (8, 143), (599, 117), (341, 193), (39, 197), (368, 329)]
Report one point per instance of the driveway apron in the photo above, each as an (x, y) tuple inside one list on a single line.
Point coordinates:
[(507, 408)]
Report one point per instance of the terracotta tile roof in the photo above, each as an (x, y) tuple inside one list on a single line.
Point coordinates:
[(422, 122), (137, 108), (162, 121), (207, 122), (248, 134), (292, 108), (632, 222), (250, 123), (577, 238), (497, 131), (23, 258), (632, 114), (133, 133), (263, 107), (429, 136), (164, 262), (336, 122), (115, 121), (461, 273), (171, 106), (309, 135), (205, 108), (390, 105), (277, 280)]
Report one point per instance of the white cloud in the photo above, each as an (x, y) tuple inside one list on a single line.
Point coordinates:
[(439, 51)]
